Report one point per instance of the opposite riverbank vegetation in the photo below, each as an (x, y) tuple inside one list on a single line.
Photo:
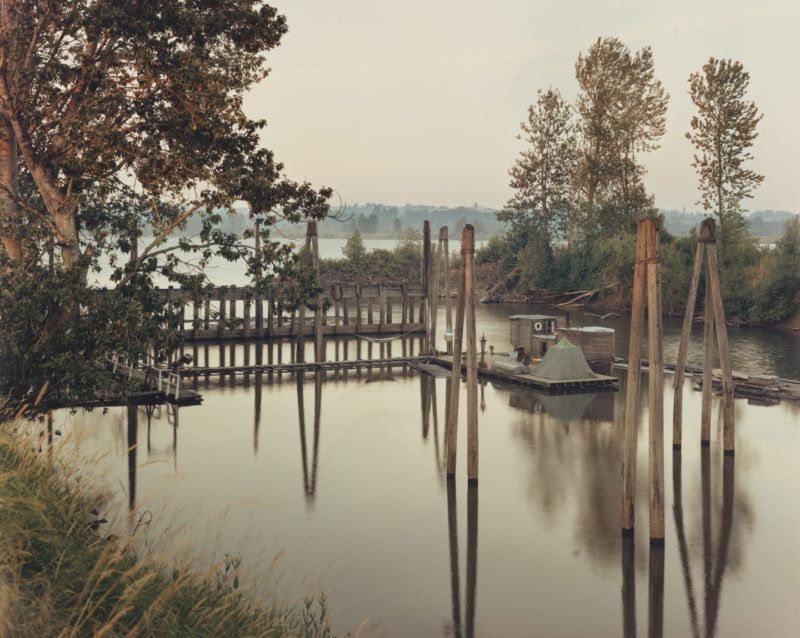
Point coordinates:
[(63, 574), (760, 286)]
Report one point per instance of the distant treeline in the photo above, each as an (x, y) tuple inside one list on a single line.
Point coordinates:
[(395, 221)]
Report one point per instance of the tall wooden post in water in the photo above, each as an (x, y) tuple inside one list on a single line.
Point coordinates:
[(468, 257), (465, 310), (646, 281), (425, 276), (455, 376), (714, 318)]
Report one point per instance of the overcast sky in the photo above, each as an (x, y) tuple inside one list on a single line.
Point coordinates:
[(420, 101)]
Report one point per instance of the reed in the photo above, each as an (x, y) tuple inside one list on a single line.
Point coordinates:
[(58, 577)]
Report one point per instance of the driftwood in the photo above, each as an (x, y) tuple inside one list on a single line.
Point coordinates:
[(510, 280)]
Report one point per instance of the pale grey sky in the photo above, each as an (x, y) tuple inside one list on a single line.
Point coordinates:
[(420, 101)]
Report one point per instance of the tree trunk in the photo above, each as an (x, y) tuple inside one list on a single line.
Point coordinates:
[(11, 227)]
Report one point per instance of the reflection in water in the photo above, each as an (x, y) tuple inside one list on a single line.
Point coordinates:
[(472, 561), (713, 567), (628, 587), (655, 592), (133, 427), (309, 477)]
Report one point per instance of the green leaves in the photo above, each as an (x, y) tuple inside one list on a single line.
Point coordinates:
[(722, 133)]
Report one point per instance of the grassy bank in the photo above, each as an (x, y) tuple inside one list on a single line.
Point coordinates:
[(58, 577)]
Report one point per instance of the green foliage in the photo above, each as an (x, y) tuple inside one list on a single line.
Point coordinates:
[(354, 251), (778, 296), (722, 132), (118, 127), (399, 264), (542, 175)]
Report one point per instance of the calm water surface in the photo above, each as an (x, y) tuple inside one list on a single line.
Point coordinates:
[(336, 484)]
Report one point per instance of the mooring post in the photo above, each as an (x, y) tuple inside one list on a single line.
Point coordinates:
[(724, 354), (358, 307), (425, 277), (381, 308), (634, 374), (221, 314), (448, 302), (246, 314), (455, 376), (195, 317), (656, 383), (301, 311), (683, 349), (319, 352), (468, 258), (434, 294), (708, 365)]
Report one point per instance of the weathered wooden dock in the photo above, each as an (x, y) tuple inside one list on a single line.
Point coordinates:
[(157, 385), (598, 383), (241, 313)]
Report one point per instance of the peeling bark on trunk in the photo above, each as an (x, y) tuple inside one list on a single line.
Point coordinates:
[(11, 227)]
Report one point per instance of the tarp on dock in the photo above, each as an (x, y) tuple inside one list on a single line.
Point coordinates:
[(563, 362)]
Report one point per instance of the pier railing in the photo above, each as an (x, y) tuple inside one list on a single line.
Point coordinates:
[(241, 313)]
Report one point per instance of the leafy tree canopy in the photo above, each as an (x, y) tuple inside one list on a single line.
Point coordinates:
[(119, 122)]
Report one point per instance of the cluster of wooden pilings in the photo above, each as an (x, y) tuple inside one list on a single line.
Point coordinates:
[(232, 312), (465, 314), (647, 291)]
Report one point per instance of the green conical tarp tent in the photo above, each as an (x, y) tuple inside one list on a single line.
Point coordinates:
[(563, 361)]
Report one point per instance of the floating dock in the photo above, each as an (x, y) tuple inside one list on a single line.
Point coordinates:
[(598, 383)]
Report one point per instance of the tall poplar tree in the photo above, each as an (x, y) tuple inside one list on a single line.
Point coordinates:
[(722, 133), (542, 176), (622, 108)]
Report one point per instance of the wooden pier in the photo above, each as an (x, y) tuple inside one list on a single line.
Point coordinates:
[(348, 309)]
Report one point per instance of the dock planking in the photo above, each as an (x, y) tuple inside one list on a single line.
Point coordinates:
[(597, 384)]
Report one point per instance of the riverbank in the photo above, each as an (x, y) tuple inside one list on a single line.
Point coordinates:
[(63, 574)]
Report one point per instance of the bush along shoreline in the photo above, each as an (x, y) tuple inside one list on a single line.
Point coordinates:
[(60, 577)]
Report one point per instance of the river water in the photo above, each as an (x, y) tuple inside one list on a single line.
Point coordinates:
[(336, 484)]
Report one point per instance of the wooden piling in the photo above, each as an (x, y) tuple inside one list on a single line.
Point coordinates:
[(656, 383), (195, 317), (246, 316), (319, 351), (448, 304), (221, 316), (468, 258), (634, 374), (724, 354), (708, 366), (434, 296), (425, 277), (455, 377), (683, 349)]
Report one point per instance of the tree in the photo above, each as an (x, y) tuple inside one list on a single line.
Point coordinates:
[(542, 176), (622, 108), (722, 132), (120, 121), (354, 250)]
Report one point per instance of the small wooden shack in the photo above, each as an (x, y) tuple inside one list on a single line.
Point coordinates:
[(536, 333)]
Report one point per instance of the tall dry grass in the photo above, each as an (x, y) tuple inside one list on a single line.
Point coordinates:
[(58, 577)]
